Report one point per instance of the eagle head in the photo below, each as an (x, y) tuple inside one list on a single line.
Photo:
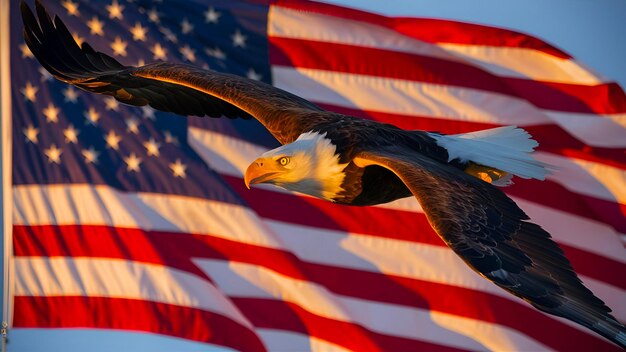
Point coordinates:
[(308, 165)]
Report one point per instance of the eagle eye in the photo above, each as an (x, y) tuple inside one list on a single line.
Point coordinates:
[(283, 161)]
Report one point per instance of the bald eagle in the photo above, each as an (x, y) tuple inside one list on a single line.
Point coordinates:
[(360, 162)]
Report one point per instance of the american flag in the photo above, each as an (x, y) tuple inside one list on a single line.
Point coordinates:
[(126, 218)]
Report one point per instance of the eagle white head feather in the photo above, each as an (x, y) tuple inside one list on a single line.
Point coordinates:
[(308, 165)]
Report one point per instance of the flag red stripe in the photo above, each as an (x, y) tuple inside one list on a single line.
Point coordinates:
[(551, 194), (454, 300), (415, 226), (552, 138), (273, 314), (432, 30), (607, 98), (321, 214), (199, 325), (597, 267), (69, 241), (105, 241), (138, 315), (602, 99)]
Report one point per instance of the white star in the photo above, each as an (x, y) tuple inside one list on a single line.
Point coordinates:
[(239, 39), (31, 134), (92, 116), (212, 16), (51, 113), (139, 32), (216, 53), (45, 75), (71, 95), (252, 74), (188, 53), (169, 35), (26, 53), (132, 125), (153, 16), (111, 104), (30, 92), (132, 162), (159, 52), (71, 135), (113, 140), (148, 112), (96, 26), (54, 154), (119, 47), (91, 155), (152, 147), (71, 7), (186, 26), (169, 138), (178, 169), (115, 10)]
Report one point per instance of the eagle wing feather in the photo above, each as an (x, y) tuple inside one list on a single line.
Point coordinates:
[(492, 235), (177, 88)]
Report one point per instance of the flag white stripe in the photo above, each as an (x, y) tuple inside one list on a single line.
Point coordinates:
[(286, 23), (588, 235), (56, 205), (418, 261), (279, 340), (349, 250), (601, 130), (587, 177), (158, 212), (504, 61), (118, 278), (250, 281), (525, 63), (405, 97), (211, 146)]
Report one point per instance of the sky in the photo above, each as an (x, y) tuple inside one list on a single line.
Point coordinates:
[(592, 31)]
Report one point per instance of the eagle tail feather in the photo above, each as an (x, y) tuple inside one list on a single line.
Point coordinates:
[(506, 149)]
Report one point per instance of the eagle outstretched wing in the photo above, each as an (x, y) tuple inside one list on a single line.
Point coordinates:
[(177, 88), (490, 233)]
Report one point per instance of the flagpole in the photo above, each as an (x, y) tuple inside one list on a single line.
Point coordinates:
[(5, 165)]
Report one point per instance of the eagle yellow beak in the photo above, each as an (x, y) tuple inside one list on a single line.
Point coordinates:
[(261, 170)]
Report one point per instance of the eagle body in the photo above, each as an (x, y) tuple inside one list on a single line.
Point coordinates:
[(360, 162), (373, 184)]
